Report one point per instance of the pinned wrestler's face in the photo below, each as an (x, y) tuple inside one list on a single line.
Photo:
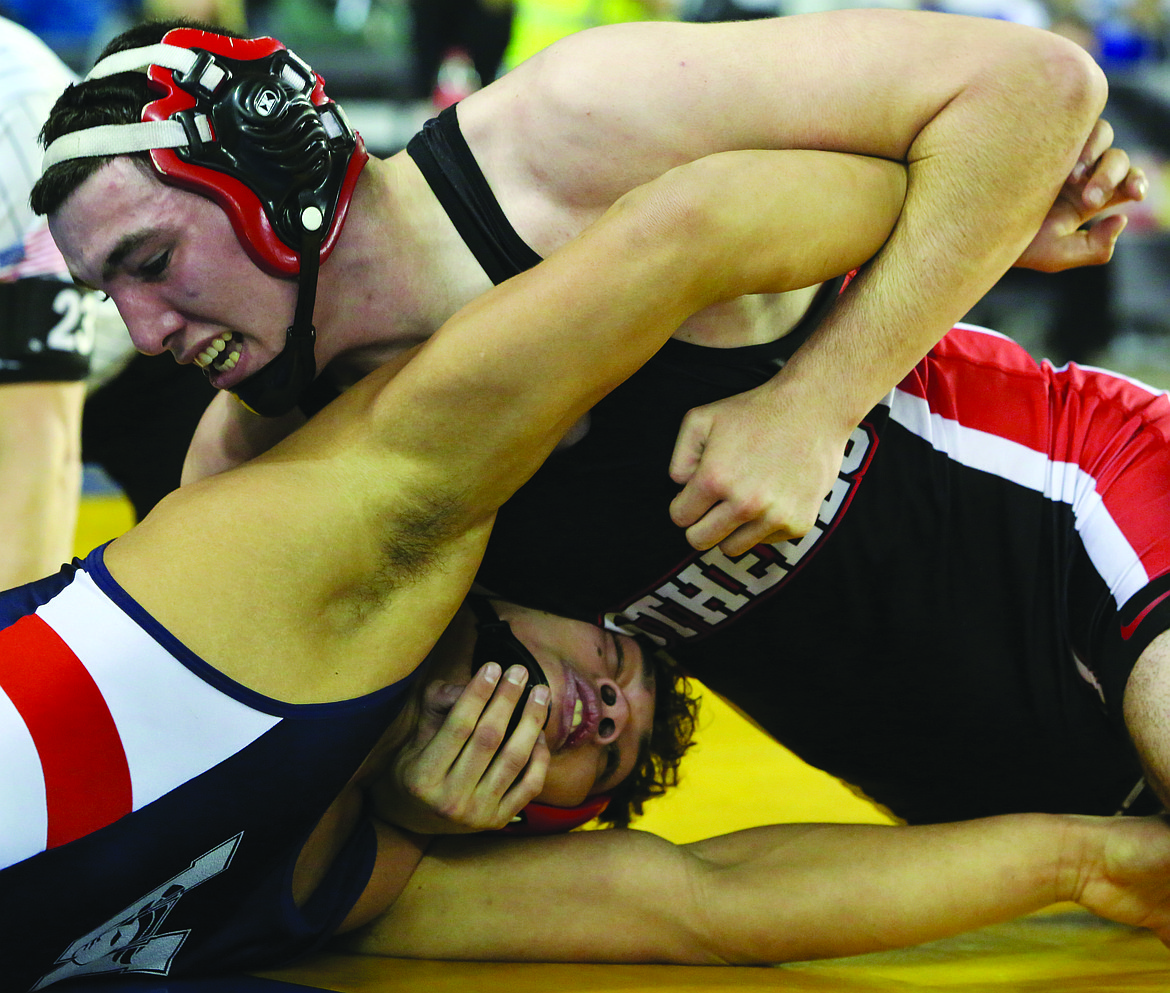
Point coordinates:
[(601, 707), (601, 696), (172, 264)]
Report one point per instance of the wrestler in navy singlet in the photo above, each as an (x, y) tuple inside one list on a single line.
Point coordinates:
[(954, 635), (174, 799)]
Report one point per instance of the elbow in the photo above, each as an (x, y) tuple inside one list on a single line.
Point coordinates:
[(1061, 77), (1080, 77), (673, 225)]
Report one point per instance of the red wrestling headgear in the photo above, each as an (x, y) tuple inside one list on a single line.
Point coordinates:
[(542, 818), (248, 124)]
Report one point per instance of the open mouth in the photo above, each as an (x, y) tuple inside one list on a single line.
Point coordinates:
[(582, 719), (221, 354)]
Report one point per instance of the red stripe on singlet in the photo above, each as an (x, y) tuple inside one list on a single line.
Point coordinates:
[(87, 779)]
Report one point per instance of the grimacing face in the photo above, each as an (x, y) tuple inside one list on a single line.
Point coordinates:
[(601, 695), (172, 264), (601, 707)]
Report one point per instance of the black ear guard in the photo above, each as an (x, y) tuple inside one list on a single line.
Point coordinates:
[(495, 642), (246, 123)]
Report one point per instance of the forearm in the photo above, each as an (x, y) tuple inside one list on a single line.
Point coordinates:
[(711, 230), (773, 221), (819, 891), (983, 172), (228, 435), (781, 893)]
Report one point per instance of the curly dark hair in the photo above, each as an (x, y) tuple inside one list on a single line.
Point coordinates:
[(117, 99), (676, 711)]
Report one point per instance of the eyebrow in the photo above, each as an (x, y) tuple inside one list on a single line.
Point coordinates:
[(126, 245), (649, 677), (650, 685), (649, 681)]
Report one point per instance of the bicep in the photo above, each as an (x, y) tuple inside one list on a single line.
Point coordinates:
[(860, 81)]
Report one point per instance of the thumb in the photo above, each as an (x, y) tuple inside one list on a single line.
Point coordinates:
[(438, 699), (688, 448)]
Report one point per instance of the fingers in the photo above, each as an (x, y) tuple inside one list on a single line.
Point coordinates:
[(688, 447), (1100, 139), (1090, 245), (454, 722), (466, 774), (527, 787), (693, 504), (1113, 180), (1101, 238), (1136, 185), (735, 521), (516, 769), (721, 527), (725, 525), (485, 746), (745, 538), (1082, 226), (473, 721), (710, 511), (1104, 174)]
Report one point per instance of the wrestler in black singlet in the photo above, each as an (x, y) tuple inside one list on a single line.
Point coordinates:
[(941, 640)]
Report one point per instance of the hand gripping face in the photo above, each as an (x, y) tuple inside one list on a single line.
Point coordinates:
[(248, 124), (495, 642)]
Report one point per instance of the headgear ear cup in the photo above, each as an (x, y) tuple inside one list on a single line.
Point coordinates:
[(542, 818), (495, 642), (276, 141)]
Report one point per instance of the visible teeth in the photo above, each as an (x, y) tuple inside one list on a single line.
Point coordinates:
[(229, 362), (578, 712), (211, 352)]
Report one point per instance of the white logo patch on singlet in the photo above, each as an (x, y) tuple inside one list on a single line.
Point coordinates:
[(129, 941)]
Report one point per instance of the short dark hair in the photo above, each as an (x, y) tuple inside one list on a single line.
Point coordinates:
[(676, 711), (116, 99)]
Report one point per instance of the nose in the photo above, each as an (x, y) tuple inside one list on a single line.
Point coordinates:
[(615, 711), (148, 319)]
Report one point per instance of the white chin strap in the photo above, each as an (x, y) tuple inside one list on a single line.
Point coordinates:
[(123, 139)]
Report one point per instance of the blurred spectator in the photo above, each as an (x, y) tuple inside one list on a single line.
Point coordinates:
[(731, 10), (73, 29), (46, 332), (457, 46), (60, 345), (538, 23), (228, 14)]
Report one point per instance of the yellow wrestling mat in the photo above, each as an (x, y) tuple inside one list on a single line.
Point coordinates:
[(736, 777)]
